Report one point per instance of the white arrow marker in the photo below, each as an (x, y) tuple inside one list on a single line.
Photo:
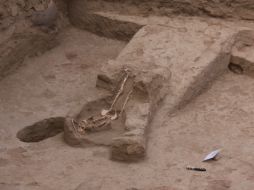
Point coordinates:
[(212, 155)]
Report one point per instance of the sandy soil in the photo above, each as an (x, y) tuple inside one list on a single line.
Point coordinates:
[(219, 118), (53, 83)]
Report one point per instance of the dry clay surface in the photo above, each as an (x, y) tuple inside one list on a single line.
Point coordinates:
[(50, 85)]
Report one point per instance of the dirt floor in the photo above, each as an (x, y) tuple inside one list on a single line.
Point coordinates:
[(219, 118), (54, 83)]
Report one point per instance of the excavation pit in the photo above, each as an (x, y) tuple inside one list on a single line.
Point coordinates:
[(41, 130), (184, 103), (97, 136)]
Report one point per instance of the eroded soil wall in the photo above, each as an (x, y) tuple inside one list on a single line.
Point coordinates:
[(241, 9)]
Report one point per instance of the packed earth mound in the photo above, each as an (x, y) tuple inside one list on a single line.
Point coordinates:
[(126, 95)]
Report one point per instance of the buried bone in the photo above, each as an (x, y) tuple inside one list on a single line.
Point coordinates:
[(103, 120), (118, 120)]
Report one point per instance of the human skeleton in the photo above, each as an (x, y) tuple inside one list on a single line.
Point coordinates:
[(104, 119)]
